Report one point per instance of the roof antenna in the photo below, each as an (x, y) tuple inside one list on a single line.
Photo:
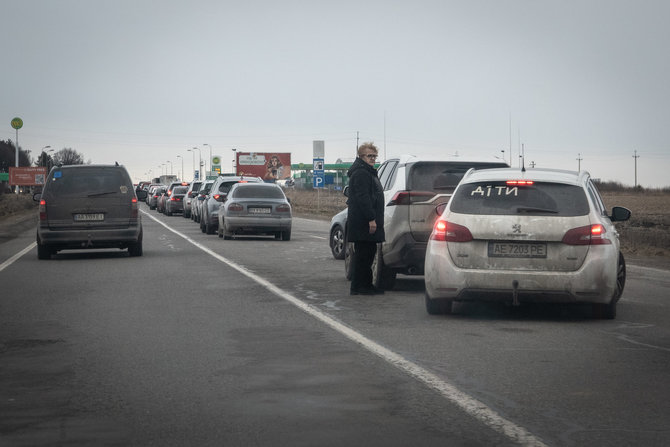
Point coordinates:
[(116, 163), (523, 159)]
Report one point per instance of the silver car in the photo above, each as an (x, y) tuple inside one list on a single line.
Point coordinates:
[(516, 236), (414, 189), (88, 206), (209, 211), (255, 208)]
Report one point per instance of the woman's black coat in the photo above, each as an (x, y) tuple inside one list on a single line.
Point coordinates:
[(365, 203)]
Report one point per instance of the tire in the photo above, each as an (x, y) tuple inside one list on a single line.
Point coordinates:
[(382, 276), (219, 232), (286, 235), (43, 251), (277, 235), (337, 242), (348, 253), (135, 249), (209, 228), (168, 213), (438, 306), (202, 226), (608, 311)]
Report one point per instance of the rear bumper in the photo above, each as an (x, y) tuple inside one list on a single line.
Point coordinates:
[(405, 255), (594, 282), (102, 238), (256, 225)]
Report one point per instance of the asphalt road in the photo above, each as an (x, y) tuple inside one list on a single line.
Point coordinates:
[(254, 341)]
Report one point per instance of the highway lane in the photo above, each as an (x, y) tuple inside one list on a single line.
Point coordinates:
[(549, 375)]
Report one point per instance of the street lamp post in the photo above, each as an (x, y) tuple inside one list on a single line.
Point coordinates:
[(182, 166), (199, 162), (210, 156), (193, 160), (168, 161)]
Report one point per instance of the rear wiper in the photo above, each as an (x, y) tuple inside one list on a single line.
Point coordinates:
[(530, 209), (101, 193)]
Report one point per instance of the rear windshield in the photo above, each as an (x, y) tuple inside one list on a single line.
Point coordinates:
[(180, 190), (258, 191), (425, 179), (540, 199), (88, 182)]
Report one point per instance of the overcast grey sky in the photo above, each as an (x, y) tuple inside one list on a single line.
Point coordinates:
[(140, 82)]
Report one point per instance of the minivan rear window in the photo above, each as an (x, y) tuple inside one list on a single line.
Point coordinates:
[(88, 182), (539, 199)]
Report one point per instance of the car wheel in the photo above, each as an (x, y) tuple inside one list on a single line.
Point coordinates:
[(209, 228), (337, 242), (286, 235), (168, 213), (348, 254), (44, 252), (219, 232), (607, 311), (135, 249), (438, 306), (202, 226), (382, 276)]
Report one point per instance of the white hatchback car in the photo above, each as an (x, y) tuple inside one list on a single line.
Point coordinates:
[(516, 235)]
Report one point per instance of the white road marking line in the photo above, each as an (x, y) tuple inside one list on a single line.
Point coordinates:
[(14, 258), (467, 403)]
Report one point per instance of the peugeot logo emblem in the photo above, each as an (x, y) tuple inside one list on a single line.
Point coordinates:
[(516, 229)]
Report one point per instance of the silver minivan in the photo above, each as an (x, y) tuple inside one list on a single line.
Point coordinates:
[(88, 207)]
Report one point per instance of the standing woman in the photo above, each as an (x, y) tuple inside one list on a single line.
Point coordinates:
[(365, 220)]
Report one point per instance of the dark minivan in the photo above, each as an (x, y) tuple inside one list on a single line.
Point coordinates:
[(88, 206)]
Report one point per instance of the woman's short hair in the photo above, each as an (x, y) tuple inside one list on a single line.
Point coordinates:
[(369, 146)]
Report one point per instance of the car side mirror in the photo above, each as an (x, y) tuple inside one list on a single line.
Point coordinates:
[(345, 191), (620, 214), (37, 196)]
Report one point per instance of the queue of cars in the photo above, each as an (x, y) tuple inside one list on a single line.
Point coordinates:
[(487, 232), (228, 205)]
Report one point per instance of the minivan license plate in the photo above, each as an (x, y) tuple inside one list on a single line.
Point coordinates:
[(90, 217), (517, 250)]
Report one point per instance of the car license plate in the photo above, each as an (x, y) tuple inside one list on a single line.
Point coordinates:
[(259, 210), (90, 217), (517, 250)]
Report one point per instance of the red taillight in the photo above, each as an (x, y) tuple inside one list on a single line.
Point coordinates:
[(175, 199), (43, 209), (235, 207), (407, 197), (520, 182), (284, 208), (586, 235), (450, 232), (133, 208), (218, 197)]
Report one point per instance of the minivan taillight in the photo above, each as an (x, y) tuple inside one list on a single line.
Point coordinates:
[(586, 235), (450, 232), (43, 209), (133, 208)]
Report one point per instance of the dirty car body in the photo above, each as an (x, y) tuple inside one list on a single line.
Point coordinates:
[(517, 236)]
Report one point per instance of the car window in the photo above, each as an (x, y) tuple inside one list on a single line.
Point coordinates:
[(90, 182), (386, 173), (259, 191), (180, 190), (540, 198), (596, 199)]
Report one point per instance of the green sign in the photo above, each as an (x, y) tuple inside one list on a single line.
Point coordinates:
[(17, 123), (216, 160)]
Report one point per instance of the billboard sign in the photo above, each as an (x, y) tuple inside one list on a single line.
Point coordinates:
[(27, 176), (270, 166)]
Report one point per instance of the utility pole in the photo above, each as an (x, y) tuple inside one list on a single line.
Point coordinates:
[(579, 162), (357, 143), (635, 156)]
